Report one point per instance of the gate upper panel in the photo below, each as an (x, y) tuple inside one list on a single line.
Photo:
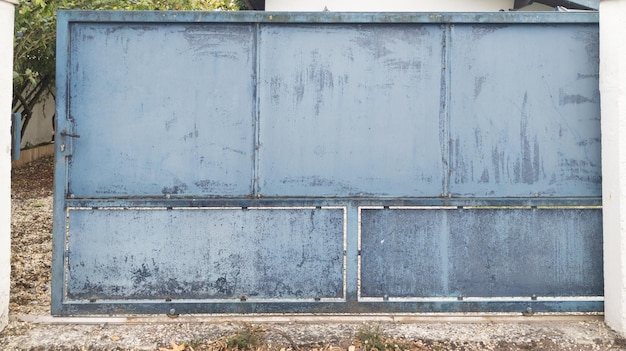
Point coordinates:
[(355, 114), (525, 109), (149, 130)]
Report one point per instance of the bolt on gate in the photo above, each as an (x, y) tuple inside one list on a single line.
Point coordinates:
[(249, 162)]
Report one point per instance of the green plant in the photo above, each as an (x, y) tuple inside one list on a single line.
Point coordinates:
[(246, 338), (195, 343), (372, 339)]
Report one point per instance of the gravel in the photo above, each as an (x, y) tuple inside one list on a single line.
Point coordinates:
[(32, 328)]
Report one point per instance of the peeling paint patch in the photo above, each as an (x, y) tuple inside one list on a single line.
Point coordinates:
[(316, 181), (170, 123), (176, 189), (565, 98), (481, 30), (478, 85), (140, 274), (223, 287), (209, 185)]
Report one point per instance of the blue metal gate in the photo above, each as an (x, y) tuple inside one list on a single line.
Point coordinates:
[(327, 162)]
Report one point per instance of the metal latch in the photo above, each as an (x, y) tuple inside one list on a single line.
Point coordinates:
[(65, 134)]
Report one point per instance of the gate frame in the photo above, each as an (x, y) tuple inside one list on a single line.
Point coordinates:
[(64, 137)]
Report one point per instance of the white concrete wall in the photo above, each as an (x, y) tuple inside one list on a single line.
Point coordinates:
[(7, 12), (613, 95), (389, 5), (39, 128), (537, 7)]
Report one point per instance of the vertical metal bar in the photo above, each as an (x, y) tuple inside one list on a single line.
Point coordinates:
[(60, 169), (352, 254), (16, 129), (444, 110), (444, 243), (256, 190), (446, 78)]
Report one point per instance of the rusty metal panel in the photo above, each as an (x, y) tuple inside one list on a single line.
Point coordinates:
[(205, 254), (481, 252), (546, 252), (525, 110), (153, 106), (354, 114), (403, 253)]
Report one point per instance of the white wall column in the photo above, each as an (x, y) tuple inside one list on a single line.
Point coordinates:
[(7, 13), (613, 93)]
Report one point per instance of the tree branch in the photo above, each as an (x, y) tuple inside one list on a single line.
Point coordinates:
[(31, 100)]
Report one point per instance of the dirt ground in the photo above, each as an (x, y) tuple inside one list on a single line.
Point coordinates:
[(32, 328), (31, 237)]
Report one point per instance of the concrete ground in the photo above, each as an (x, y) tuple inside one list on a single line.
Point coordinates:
[(312, 332)]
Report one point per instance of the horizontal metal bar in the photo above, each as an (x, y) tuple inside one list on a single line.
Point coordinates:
[(480, 317), (213, 301), (540, 203), (328, 307), (485, 299), (329, 17)]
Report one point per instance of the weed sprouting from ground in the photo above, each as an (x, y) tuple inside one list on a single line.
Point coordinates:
[(371, 338), (247, 338)]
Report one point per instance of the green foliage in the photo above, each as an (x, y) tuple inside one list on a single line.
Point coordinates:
[(33, 57), (192, 5), (371, 339), (35, 39), (246, 338)]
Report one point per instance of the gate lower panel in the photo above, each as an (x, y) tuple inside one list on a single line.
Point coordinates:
[(223, 253), (480, 252)]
